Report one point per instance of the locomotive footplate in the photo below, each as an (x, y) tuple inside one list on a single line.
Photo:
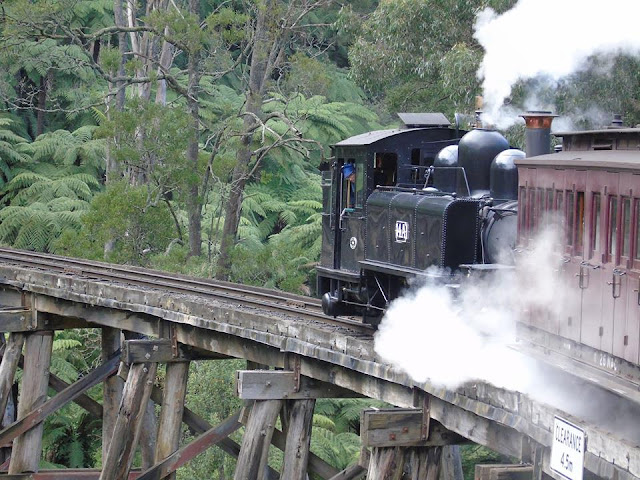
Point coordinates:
[(406, 272), (344, 275)]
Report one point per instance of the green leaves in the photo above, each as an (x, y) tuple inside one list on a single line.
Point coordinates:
[(410, 53), (127, 219)]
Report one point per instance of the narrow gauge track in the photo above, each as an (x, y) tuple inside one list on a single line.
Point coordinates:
[(306, 307)]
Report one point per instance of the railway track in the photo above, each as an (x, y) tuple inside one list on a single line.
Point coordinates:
[(305, 307)]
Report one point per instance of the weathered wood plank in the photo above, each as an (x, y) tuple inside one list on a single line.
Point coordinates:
[(126, 431), (402, 427), (478, 429), (350, 473), (27, 447), (17, 319), (503, 472), (64, 474), (316, 464), (31, 419), (170, 422), (256, 440), (451, 465), (279, 385), (386, 464), (374, 379), (178, 458), (423, 463), (296, 452), (162, 351), (111, 388), (8, 367), (147, 440)]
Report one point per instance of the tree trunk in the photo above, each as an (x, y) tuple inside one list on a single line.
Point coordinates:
[(194, 202), (42, 105), (260, 69), (165, 64), (111, 167)]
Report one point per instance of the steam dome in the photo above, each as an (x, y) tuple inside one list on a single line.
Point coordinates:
[(504, 174), (476, 151)]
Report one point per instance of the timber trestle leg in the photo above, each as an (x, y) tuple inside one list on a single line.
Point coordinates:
[(293, 396), (126, 431), (173, 399), (25, 455), (252, 461), (407, 444), (111, 388)]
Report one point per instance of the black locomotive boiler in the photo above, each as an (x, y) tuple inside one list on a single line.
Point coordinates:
[(397, 202)]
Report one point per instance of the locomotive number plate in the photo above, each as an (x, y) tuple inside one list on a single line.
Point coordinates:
[(402, 231)]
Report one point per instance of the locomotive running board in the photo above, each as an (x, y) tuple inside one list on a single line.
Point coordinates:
[(406, 272), (338, 274)]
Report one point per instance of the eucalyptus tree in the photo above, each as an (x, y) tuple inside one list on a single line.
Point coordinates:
[(196, 50), (417, 54)]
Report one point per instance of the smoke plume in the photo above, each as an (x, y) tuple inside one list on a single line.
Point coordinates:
[(449, 335), (548, 40)]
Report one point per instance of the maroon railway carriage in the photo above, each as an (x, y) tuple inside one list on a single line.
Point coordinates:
[(593, 187)]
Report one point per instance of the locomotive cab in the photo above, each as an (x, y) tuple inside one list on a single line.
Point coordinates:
[(398, 202), (374, 161)]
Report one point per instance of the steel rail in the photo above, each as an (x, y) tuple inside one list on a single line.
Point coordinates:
[(256, 296)]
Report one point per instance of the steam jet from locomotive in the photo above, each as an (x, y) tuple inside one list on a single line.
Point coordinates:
[(397, 202), (431, 195)]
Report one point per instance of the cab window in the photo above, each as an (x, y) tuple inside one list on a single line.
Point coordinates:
[(384, 169), (352, 184)]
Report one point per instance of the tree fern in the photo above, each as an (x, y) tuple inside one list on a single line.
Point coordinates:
[(63, 147), (10, 154)]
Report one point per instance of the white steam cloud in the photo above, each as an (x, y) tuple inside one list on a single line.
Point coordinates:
[(548, 40), (449, 336)]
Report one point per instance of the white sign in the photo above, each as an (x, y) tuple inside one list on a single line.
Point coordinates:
[(402, 231), (567, 449)]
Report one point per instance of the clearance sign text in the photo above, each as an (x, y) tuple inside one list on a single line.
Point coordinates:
[(567, 449)]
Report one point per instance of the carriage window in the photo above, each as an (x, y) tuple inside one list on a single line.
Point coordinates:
[(522, 207), (558, 207), (384, 169), (532, 213), (626, 226), (569, 217), (549, 200), (540, 212), (595, 225), (613, 225), (580, 220)]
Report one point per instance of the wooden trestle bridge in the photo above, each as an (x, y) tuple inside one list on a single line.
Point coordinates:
[(149, 318)]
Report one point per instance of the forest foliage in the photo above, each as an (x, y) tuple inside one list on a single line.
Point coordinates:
[(187, 136)]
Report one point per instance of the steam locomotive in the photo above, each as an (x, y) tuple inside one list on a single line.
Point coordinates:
[(397, 202)]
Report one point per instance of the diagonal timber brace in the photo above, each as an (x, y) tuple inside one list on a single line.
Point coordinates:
[(188, 452), (67, 395)]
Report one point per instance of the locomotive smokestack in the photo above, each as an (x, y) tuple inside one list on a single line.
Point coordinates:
[(538, 133)]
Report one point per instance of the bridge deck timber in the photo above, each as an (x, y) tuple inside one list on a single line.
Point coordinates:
[(505, 421)]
